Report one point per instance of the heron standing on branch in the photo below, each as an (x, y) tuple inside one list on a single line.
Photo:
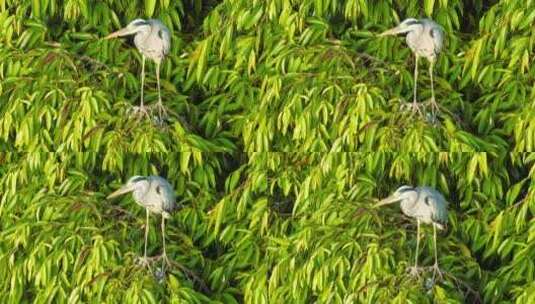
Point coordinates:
[(425, 204), (153, 40), (156, 195), (425, 39)]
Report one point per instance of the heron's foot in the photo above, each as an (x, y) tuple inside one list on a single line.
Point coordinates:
[(437, 272), (143, 262), (434, 105), (165, 260), (414, 271), (412, 106), (139, 111), (162, 111)]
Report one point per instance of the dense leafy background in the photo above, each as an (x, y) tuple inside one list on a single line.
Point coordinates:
[(286, 128)]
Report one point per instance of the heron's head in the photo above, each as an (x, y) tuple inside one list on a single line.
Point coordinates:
[(402, 193), (404, 27), (134, 183), (133, 27)]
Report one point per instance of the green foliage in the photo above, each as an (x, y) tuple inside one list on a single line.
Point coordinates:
[(285, 128)]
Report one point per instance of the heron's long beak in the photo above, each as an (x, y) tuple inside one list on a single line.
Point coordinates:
[(124, 189), (386, 201), (393, 31), (122, 32)]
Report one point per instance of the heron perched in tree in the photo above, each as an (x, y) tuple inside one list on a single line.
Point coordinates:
[(425, 39), (426, 205), (156, 195), (153, 40)]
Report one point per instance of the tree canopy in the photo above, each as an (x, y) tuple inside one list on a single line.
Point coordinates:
[(286, 126)]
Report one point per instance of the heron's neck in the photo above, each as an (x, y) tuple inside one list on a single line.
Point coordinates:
[(140, 191), (414, 28), (407, 206), (142, 32)]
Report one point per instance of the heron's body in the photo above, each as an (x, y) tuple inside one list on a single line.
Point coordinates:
[(426, 205), (153, 40), (156, 195), (425, 39)]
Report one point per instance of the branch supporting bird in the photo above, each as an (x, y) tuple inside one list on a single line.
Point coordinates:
[(425, 39), (153, 40), (426, 205)]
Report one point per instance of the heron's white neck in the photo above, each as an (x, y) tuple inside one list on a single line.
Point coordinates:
[(140, 189), (413, 28), (408, 202)]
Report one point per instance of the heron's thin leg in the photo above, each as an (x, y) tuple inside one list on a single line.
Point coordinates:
[(435, 242), (414, 100), (160, 105), (433, 101), (145, 261), (417, 243), (414, 270), (146, 235), (163, 237), (158, 80), (436, 269), (142, 77)]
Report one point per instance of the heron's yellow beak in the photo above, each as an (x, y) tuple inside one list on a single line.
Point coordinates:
[(392, 31), (122, 32), (124, 189), (386, 201)]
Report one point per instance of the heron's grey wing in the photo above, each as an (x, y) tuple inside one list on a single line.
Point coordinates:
[(163, 35), (439, 207), (166, 39), (165, 192), (438, 38)]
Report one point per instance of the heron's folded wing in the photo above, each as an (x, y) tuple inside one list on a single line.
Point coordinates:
[(166, 41), (438, 39), (439, 209)]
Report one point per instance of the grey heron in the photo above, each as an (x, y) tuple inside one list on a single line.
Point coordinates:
[(156, 195), (153, 40), (425, 39), (426, 205)]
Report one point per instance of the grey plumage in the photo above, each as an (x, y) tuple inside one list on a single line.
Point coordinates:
[(426, 205), (153, 40), (156, 195), (423, 203), (425, 38)]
